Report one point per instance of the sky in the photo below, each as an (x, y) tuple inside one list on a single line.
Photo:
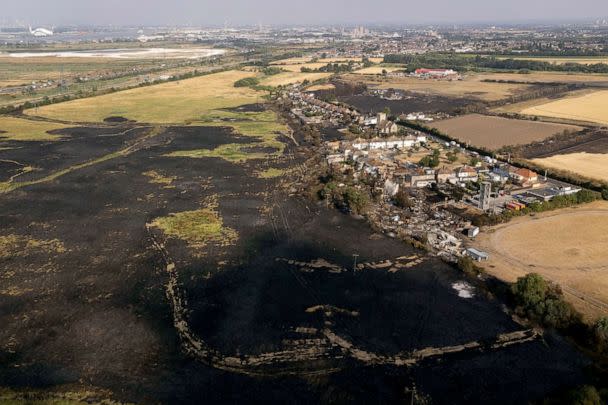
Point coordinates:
[(279, 12)]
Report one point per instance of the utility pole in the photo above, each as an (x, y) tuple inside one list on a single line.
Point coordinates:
[(355, 255)]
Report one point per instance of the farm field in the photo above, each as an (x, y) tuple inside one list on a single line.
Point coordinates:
[(589, 107), (324, 61), (298, 67), (495, 132), (17, 71), (584, 60), (173, 102), (286, 78), (19, 129), (376, 70), (319, 87), (567, 247), (591, 165), (546, 77), (470, 87)]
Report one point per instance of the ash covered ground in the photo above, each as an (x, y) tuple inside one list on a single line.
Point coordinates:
[(85, 298)]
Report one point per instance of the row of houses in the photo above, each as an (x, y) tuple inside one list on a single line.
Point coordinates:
[(311, 110)]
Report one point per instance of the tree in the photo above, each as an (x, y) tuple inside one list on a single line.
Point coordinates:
[(600, 330), (468, 266), (452, 156), (530, 290), (354, 200), (402, 200)]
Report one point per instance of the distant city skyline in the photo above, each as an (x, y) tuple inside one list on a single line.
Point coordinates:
[(277, 12)]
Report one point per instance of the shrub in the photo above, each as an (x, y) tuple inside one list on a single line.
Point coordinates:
[(246, 82)]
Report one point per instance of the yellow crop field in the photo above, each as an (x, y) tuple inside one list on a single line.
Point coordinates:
[(588, 107), (19, 129), (565, 246), (173, 102), (591, 165), (377, 70)]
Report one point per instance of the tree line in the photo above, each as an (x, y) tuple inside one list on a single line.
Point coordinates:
[(467, 62)]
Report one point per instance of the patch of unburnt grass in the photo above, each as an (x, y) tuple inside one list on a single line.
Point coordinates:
[(198, 228), (158, 178)]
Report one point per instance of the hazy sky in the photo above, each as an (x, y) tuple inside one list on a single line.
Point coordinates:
[(201, 12)]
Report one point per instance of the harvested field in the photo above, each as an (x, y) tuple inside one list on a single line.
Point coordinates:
[(495, 132), (319, 87), (589, 141), (567, 246), (472, 86), (590, 165), (548, 77), (173, 102), (377, 70), (285, 78), (16, 71), (19, 129), (298, 67), (588, 108)]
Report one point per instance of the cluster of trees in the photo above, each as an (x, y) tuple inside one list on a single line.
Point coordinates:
[(247, 82), (346, 198), (431, 160), (271, 70), (543, 302), (466, 62), (561, 201), (331, 68)]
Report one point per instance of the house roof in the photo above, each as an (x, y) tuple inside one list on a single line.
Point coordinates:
[(526, 173)]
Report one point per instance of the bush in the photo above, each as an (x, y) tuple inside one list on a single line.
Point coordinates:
[(247, 82), (348, 198), (402, 200), (272, 70), (468, 266)]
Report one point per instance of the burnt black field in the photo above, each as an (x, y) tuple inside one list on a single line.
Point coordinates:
[(416, 103), (97, 314)]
